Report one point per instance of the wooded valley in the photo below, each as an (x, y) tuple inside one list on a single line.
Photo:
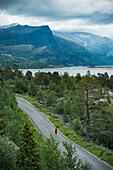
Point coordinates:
[(83, 103)]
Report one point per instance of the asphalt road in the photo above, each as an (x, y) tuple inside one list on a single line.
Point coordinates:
[(46, 128)]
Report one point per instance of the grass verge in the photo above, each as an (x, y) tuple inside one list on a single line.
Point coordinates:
[(99, 151)]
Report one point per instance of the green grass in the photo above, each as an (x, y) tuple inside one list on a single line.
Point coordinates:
[(100, 152)]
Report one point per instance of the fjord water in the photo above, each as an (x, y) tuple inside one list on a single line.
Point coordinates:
[(72, 71)]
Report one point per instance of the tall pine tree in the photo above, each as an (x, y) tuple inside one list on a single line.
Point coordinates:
[(28, 157), (89, 91)]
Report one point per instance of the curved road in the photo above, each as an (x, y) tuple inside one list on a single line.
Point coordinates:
[(46, 128)]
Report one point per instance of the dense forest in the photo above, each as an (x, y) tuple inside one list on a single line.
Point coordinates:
[(83, 103)]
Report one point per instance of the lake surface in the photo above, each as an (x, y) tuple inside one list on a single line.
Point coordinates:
[(72, 71)]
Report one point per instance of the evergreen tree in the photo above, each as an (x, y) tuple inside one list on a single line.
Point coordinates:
[(50, 98), (20, 86), (88, 92), (28, 75), (32, 89), (111, 82), (52, 158), (7, 154), (18, 73), (15, 68), (78, 77), (71, 161), (28, 157), (8, 73)]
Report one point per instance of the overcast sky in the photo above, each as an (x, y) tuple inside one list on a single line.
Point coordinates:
[(95, 16)]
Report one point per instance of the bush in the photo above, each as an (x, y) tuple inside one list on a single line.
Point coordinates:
[(59, 108), (66, 118), (32, 89), (39, 95), (50, 98), (56, 88), (20, 86), (77, 126), (7, 154)]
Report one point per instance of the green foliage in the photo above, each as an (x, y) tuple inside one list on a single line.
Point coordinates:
[(6, 98), (2, 123), (20, 86), (7, 73), (7, 154), (39, 96), (107, 156), (68, 106), (28, 157), (28, 75), (103, 79), (56, 88), (17, 72), (79, 107), (14, 126), (41, 78), (56, 77), (65, 118), (88, 90), (111, 82), (52, 159), (50, 98), (59, 108), (77, 125), (78, 77), (71, 161), (11, 124), (10, 116), (10, 84), (32, 89), (65, 77), (73, 105), (23, 63)]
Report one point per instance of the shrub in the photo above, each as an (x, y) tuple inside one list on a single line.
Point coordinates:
[(77, 126)]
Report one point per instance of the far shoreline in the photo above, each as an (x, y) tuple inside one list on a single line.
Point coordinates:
[(72, 71)]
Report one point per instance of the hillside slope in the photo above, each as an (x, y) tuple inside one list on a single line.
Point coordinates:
[(66, 49), (100, 47), (39, 44), (8, 60)]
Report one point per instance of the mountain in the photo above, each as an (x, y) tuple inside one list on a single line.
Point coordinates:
[(33, 43), (100, 47), (61, 49), (39, 44), (8, 60)]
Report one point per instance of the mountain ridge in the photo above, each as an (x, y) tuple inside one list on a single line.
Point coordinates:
[(38, 43), (95, 44), (18, 40)]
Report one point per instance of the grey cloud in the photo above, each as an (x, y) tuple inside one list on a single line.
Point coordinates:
[(92, 11), (6, 4), (99, 18)]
